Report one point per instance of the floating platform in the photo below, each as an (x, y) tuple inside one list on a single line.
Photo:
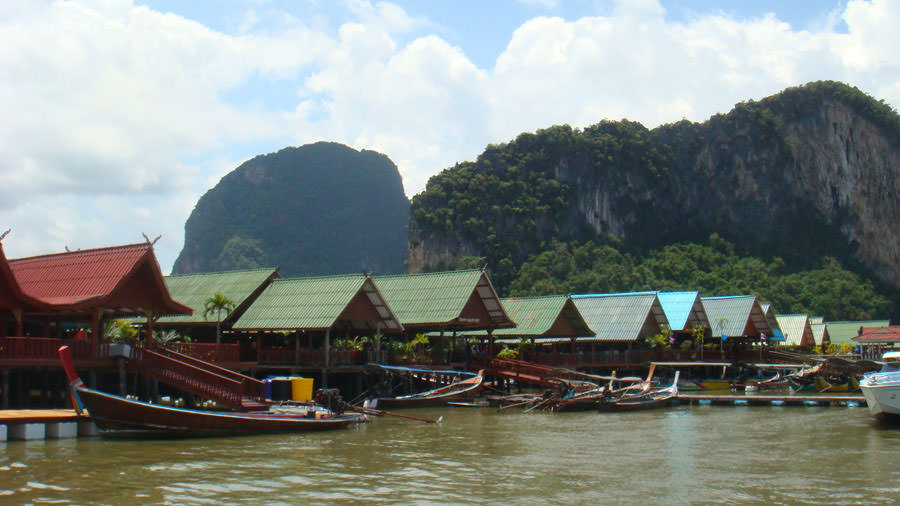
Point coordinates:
[(774, 400), (32, 424)]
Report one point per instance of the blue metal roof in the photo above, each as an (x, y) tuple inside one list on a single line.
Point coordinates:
[(678, 307)]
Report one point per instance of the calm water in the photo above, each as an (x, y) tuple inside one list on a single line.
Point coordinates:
[(685, 455)]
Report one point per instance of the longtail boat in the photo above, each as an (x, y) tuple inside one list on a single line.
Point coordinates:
[(455, 392), (115, 415), (652, 399)]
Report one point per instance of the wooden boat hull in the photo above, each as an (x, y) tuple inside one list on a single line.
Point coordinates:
[(637, 404), (119, 416), (457, 392)]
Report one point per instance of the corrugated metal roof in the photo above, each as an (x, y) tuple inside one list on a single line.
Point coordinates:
[(813, 320), (729, 315), (314, 303), (796, 329), (820, 332), (683, 310), (540, 318), (843, 332), (621, 316), (438, 298), (194, 290), (769, 311), (89, 278)]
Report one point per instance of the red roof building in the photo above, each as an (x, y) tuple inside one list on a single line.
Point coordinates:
[(878, 335), (13, 302), (98, 284)]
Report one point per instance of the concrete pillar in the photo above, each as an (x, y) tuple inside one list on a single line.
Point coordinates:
[(61, 430), (27, 431)]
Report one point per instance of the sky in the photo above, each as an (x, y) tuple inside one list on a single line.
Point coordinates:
[(116, 116)]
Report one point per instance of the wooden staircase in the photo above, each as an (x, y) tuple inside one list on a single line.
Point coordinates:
[(525, 372), (200, 378)]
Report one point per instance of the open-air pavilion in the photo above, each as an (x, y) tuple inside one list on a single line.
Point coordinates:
[(294, 320), (551, 323), (796, 329), (443, 303), (619, 320)]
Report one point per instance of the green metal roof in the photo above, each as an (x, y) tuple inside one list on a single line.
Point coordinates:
[(438, 298), (842, 332), (729, 315), (314, 303), (820, 331), (194, 289), (621, 316), (536, 316), (796, 329)]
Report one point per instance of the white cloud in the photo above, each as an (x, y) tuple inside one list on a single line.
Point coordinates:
[(114, 118)]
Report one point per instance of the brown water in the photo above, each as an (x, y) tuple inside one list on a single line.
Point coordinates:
[(685, 455)]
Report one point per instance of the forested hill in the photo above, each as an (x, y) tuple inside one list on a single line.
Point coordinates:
[(792, 180), (318, 209)]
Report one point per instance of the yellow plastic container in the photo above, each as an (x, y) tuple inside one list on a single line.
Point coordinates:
[(302, 389)]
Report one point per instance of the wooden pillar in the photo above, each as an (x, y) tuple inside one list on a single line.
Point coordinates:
[(4, 374), (377, 343), (148, 339), (95, 328), (20, 323), (328, 348), (490, 355), (123, 377)]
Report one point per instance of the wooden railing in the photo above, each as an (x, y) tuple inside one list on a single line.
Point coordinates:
[(198, 378), (312, 357), (45, 348), (249, 387), (209, 352)]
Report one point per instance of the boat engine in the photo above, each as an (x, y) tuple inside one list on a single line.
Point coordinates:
[(331, 399)]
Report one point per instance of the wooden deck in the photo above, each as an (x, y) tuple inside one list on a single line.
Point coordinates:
[(8, 416), (772, 400)]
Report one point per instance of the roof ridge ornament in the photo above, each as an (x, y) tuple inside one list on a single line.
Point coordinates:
[(4, 234), (147, 238)]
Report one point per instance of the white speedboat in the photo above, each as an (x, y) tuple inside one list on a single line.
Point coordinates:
[(882, 389)]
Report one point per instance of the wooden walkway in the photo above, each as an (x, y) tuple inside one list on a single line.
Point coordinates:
[(773, 400), (8, 416)]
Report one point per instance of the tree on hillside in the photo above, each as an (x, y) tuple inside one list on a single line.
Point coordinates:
[(216, 304)]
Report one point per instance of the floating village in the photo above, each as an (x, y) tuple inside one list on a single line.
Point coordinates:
[(100, 342)]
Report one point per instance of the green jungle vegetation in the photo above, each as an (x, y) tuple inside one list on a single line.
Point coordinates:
[(713, 268), (318, 209), (515, 205)]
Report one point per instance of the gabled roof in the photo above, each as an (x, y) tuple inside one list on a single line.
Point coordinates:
[(125, 278), (621, 316), (796, 330), (319, 303), (11, 295), (769, 311), (843, 332), (547, 318), (452, 299), (683, 310), (879, 335), (820, 332), (735, 315), (241, 287)]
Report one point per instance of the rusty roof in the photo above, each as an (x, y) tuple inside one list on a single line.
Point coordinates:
[(97, 278)]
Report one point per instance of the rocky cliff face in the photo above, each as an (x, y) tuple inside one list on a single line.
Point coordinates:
[(318, 209), (809, 172)]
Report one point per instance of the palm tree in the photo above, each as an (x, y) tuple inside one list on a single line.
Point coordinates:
[(216, 304)]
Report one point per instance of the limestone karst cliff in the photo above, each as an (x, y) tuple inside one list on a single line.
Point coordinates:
[(808, 172)]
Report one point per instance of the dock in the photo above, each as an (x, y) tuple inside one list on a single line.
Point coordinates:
[(33, 424), (773, 400)]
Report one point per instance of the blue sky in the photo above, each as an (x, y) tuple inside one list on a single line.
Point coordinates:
[(117, 115)]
